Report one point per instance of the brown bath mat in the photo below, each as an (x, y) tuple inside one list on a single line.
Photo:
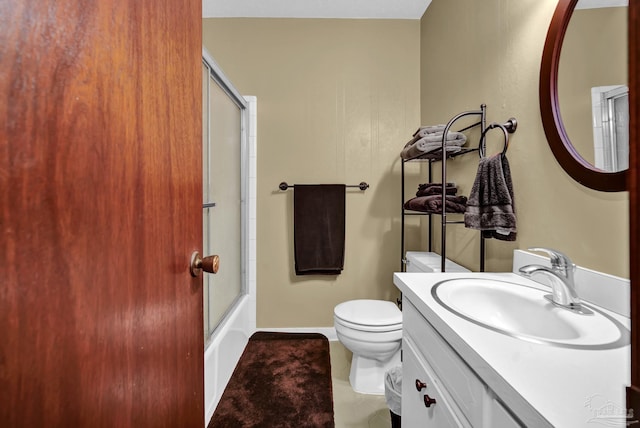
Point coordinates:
[(282, 380)]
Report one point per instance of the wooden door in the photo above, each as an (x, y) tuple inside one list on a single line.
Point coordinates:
[(633, 184), (100, 210)]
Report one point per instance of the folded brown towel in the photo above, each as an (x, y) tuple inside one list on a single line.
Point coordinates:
[(319, 228), (491, 206), (433, 204), (428, 189)]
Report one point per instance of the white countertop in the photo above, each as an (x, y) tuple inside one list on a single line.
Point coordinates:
[(568, 387)]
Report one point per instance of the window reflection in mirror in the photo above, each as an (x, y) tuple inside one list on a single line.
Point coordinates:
[(610, 112)]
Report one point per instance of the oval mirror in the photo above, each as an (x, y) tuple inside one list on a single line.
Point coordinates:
[(578, 99)]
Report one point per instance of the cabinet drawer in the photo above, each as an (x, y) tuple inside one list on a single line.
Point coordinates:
[(415, 413), (455, 375)]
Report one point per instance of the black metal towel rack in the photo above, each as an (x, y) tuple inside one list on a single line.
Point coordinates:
[(508, 127), (362, 186)]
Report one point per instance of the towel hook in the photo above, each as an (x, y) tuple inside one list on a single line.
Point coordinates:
[(482, 148)]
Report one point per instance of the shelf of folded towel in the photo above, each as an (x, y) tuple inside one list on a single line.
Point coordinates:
[(427, 144), (428, 199), (436, 155)]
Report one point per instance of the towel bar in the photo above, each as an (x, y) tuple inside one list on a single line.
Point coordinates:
[(362, 186)]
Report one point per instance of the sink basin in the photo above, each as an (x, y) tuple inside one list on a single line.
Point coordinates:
[(523, 312)]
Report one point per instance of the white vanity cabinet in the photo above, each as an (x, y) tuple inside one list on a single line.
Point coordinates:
[(438, 388), (423, 402), (483, 378)]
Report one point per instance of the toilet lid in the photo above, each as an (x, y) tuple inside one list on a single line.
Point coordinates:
[(369, 312)]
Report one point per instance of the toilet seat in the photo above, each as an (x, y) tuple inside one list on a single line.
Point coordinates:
[(369, 315)]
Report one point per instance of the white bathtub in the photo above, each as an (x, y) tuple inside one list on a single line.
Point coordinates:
[(224, 351)]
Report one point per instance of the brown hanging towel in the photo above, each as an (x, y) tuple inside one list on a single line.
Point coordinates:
[(319, 228)]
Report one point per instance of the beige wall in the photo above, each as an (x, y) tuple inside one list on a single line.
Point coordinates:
[(489, 52), (337, 100)]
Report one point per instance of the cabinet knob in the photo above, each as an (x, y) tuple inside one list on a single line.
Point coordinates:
[(428, 401), (420, 385)]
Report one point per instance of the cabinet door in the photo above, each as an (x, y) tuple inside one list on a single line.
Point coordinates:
[(414, 411), (460, 382), (499, 417)]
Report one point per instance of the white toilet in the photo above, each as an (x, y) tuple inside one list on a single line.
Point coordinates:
[(421, 261), (372, 331)]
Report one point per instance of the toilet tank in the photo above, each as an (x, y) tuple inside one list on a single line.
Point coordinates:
[(420, 261)]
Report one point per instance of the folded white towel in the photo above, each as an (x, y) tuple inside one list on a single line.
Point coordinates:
[(423, 131), (455, 138), (432, 140), (426, 146), (413, 151)]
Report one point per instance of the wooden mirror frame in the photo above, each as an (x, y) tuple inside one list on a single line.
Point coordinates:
[(567, 156)]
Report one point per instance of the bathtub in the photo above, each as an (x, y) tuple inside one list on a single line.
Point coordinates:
[(224, 351)]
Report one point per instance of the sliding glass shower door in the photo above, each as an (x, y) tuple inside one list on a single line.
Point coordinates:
[(223, 196)]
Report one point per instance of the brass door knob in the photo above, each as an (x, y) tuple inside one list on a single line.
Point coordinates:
[(209, 264)]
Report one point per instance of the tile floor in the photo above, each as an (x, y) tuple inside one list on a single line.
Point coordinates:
[(353, 410)]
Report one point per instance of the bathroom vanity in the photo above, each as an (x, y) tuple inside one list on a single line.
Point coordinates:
[(460, 372)]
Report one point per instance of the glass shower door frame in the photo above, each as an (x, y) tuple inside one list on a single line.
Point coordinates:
[(216, 74), (225, 342)]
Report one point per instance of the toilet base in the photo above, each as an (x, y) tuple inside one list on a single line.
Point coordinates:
[(367, 374)]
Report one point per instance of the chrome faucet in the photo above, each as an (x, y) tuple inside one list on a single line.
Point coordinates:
[(561, 276)]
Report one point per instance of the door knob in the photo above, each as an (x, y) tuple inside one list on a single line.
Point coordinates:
[(209, 264)]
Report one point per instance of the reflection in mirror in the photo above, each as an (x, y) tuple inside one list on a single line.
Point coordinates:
[(611, 127), (592, 79)]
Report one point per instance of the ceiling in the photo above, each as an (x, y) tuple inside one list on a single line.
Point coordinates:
[(351, 9), (590, 4)]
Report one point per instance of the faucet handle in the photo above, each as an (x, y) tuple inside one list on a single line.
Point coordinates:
[(558, 258)]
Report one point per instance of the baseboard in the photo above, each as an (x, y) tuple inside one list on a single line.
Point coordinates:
[(329, 332)]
